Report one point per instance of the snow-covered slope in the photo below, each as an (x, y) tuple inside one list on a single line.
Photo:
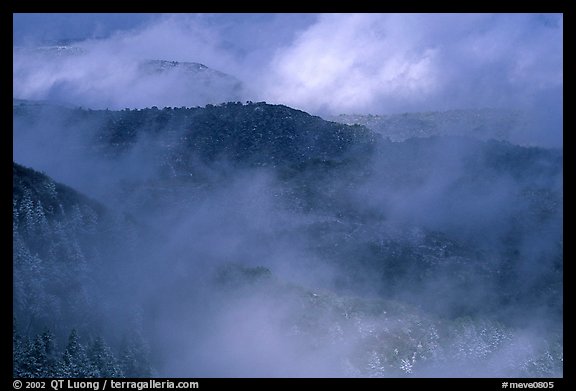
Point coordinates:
[(88, 78)]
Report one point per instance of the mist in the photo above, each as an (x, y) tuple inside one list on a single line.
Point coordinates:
[(323, 64), (255, 240)]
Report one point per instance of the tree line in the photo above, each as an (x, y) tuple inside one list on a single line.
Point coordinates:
[(39, 356)]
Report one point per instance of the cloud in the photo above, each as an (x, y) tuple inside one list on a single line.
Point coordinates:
[(349, 60), (383, 63), (323, 64), (107, 72)]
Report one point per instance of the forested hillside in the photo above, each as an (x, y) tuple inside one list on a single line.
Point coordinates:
[(201, 234)]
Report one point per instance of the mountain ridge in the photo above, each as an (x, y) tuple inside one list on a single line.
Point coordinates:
[(458, 229)]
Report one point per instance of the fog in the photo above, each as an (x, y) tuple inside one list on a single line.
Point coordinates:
[(431, 257)]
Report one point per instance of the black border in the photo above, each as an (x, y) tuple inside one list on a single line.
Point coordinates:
[(246, 6), (252, 6)]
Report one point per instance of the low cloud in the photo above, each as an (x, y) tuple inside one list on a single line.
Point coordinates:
[(417, 62), (324, 64)]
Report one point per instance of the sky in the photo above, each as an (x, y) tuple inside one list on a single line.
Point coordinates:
[(325, 64)]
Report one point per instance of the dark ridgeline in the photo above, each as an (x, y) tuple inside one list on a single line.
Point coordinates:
[(449, 266)]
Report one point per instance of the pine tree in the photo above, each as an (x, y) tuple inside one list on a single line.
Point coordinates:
[(103, 360), (75, 361), (27, 213), (39, 357), (49, 342), (375, 365), (25, 367), (18, 352), (134, 357), (33, 305)]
